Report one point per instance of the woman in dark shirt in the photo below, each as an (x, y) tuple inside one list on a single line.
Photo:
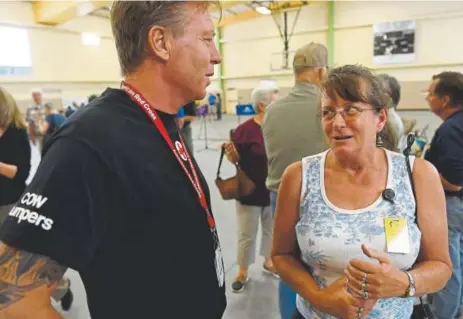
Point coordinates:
[(15, 153), (248, 150)]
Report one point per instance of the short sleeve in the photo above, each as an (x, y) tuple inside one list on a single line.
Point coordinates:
[(62, 212), (449, 156)]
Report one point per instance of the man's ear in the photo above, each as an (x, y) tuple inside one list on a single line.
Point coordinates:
[(445, 101), (160, 42)]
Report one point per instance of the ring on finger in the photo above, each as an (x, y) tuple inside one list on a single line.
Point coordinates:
[(360, 313), (364, 286), (365, 294), (364, 279)]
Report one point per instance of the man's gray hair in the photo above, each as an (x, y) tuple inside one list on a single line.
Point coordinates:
[(263, 93)]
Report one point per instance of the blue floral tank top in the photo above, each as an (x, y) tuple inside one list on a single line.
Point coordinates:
[(329, 237)]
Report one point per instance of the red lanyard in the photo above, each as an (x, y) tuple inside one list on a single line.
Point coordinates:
[(181, 156)]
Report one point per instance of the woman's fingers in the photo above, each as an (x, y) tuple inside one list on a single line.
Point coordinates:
[(361, 288), (357, 273)]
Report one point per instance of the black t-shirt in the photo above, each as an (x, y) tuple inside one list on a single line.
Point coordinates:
[(15, 150), (446, 151), (110, 200)]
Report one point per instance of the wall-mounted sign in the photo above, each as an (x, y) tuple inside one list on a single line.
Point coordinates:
[(394, 42)]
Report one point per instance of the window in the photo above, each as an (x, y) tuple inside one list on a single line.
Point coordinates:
[(15, 55), (90, 39)]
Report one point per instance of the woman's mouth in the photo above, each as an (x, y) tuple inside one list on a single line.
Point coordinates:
[(342, 138)]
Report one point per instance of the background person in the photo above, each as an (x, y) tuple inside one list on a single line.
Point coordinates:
[(219, 107), (394, 132), (53, 121), (190, 116), (331, 212), (292, 130), (445, 99), (180, 118), (34, 117), (248, 151), (15, 153)]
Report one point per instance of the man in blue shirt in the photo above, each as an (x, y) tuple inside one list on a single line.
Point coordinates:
[(445, 98), (53, 121)]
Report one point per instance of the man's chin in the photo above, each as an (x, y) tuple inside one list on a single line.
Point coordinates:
[(201, 95)]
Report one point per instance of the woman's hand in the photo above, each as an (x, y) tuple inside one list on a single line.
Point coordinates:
[(336, 301), (231, 153), (382, 280)]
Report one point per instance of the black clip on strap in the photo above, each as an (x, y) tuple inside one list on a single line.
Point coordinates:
[(222, 153), (407, 151)]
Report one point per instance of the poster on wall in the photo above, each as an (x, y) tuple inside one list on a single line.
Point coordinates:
[(394, 42)]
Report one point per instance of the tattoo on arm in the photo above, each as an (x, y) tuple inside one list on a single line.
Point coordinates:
[(22, 272)]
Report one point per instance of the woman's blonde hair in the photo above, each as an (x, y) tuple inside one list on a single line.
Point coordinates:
[(9, 111)]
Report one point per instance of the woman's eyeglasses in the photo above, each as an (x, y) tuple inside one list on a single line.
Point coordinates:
[(348, 113)]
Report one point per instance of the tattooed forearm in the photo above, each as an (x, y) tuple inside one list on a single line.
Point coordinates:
[(21, 272)]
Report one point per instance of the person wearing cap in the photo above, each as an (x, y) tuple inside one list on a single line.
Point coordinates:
[(292, 130)]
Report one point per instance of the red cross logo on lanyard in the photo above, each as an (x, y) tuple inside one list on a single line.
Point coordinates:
[(181, 150)]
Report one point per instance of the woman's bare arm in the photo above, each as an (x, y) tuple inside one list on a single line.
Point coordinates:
[(434, 267), (285, 248)]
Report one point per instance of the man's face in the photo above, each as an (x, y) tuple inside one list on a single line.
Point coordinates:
[(436, 103), (194, 55), (37, 97)]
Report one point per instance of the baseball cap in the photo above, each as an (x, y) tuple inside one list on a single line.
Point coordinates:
[(311, 55)]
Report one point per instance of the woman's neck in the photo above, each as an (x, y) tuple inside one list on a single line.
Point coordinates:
[(258, 118), (358, 163)]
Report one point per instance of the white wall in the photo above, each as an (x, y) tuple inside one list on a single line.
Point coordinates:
[(61, 64), (248, 54)]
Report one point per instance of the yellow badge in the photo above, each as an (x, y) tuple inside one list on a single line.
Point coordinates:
[(397, 239)]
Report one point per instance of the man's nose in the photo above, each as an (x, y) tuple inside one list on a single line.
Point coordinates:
[(216, 58)]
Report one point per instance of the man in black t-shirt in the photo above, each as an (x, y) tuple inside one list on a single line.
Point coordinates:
[(445, 98), (117, 196)]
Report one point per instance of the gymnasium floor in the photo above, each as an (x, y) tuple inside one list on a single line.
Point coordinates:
[(260, 299)]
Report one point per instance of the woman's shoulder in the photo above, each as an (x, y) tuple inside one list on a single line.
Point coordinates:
[(314, 158), (246, 129)]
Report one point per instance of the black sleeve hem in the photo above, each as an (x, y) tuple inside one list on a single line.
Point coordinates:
[(56, 250)]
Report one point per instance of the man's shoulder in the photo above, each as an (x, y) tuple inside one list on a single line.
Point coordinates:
[(278, 104), (456, 120), (452, 126), (100, 122)]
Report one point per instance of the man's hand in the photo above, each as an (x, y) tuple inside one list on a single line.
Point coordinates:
[(27, 281)]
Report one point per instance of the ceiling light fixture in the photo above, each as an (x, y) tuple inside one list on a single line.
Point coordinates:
[(263, 10)]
